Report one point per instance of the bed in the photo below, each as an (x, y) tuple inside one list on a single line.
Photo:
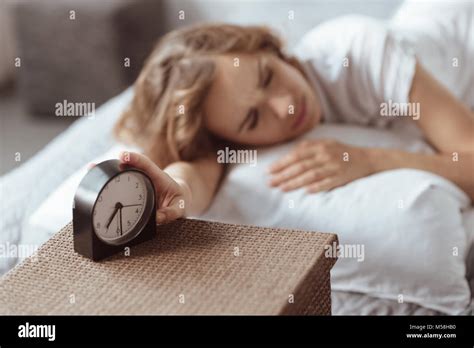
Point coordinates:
[(33, 189)]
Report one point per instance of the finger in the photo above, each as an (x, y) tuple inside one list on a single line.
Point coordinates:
[(143, 163), (168, 214), (307, 178), (305, 143), (312, 142), (325, 185), (292, 171), (293, 157)]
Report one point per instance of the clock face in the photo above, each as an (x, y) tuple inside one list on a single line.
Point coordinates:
[(122, 208)]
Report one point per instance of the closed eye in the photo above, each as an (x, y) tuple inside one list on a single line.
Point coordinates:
[(251, 119), (254, 121), (268, 78)]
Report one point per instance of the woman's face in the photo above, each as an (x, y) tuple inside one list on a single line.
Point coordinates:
[(259, 99)]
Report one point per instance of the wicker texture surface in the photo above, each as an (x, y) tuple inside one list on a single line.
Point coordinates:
[(191, 267)]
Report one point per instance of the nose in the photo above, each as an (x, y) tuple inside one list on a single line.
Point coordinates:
[(282, 106)]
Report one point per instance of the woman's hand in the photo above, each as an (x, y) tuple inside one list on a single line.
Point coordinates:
[(320, 165), (171, 195)]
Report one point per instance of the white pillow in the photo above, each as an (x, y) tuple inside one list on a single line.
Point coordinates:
[(406, 224), (406, 251)]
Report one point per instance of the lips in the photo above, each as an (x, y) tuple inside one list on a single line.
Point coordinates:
[(301, 113)]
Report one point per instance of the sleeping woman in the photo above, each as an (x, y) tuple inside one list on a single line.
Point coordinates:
[(209, 86)]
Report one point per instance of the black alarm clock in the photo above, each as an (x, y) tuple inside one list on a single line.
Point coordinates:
[(114, 208)]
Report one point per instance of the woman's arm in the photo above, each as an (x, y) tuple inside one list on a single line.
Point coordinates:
[(449, 127), (459, 168), (446, 122), (199, 180), (322, 165)]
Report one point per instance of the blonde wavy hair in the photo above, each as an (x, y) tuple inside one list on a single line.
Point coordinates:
[(165, 117)]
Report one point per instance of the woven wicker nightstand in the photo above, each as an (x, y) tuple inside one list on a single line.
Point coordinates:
[(191, 267)]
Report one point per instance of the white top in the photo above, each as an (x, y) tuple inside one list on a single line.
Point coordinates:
[(356, 63), (442, 35)]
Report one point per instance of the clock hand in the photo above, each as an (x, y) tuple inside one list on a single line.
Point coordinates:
[(131, 205), (121, 229), (118, 206), (112, 217)]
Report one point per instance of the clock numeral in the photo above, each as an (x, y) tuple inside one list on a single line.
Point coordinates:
[(140, 197), (136, 211), (117, 179), (100, 199), (129, 223), (97, 225), (94, 213), (128, 178), (136, 185)]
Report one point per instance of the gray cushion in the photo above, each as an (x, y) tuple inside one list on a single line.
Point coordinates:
[(81, 60)]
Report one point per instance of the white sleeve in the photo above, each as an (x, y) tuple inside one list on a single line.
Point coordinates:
[(358, 64)]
